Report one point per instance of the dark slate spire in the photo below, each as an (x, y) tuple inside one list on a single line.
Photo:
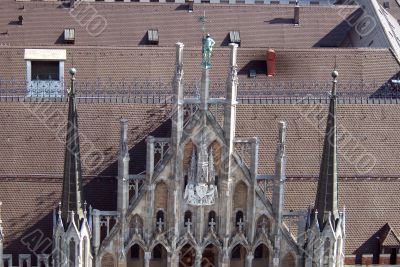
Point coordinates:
[(326, 202), (72, 183)]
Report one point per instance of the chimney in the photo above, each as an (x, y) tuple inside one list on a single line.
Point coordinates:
[(296, 19), (271, 57), (190, 5)]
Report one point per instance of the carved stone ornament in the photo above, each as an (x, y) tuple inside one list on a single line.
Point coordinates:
[(200, 194), (201, 189)]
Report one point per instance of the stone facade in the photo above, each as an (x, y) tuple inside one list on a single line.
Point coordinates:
[(201, 200)]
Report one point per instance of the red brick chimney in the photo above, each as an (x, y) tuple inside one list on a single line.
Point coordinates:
[(271, 57)]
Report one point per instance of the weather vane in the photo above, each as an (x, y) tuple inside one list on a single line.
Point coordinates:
[(203, 20), (207, 44)]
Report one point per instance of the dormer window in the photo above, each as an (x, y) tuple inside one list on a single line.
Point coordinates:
[(45, 72)]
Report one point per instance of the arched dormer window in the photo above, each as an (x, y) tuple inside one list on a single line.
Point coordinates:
[(71, 253)]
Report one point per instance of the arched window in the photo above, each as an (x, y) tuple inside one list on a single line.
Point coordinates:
[(188, 215), (327, 250), (160, 220), (239, 221), (157, 252), (84, 252), (135, 251), (212, 216), (71, 254), (160, 215), (188, 218)]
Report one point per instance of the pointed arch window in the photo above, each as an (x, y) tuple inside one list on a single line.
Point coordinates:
[(239, 220), (327, 250), (71, 254), (160, 220), (188, 218)]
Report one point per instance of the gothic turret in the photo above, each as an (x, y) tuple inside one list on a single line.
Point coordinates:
[(72, 181), (326, 202)]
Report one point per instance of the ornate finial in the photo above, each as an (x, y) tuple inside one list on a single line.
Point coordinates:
[(188, 225), (1, 221), (203, 20), (71, 90), (212, 224), (85, 208), (192, 170), (59, 209), (335, 74), (211, 166), (72, 71)]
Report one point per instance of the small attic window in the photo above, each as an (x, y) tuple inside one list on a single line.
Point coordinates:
[(234, 37), (386, 4), (69, 35), (252, 73), (152, 36)]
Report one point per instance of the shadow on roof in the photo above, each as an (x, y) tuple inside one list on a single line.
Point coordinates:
[(390, 89), (371, 246), (337, 35)]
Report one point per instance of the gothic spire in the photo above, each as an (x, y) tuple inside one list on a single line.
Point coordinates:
[(326, 201), (72, 182)]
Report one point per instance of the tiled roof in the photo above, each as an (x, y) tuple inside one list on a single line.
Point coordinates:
[(126, 24), (28, 204), (298, 71), (31, 136), (32, 157), (369, 203)]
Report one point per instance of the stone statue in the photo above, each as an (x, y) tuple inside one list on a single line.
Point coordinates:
[(206, 51)]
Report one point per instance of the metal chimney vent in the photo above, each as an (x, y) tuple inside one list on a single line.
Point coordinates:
[(234, 37), (69, 35), (152, 36)]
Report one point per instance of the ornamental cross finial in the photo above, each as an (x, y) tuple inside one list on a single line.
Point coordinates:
[(160, 225), (240, 225), (188, 225), (212, 224)]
